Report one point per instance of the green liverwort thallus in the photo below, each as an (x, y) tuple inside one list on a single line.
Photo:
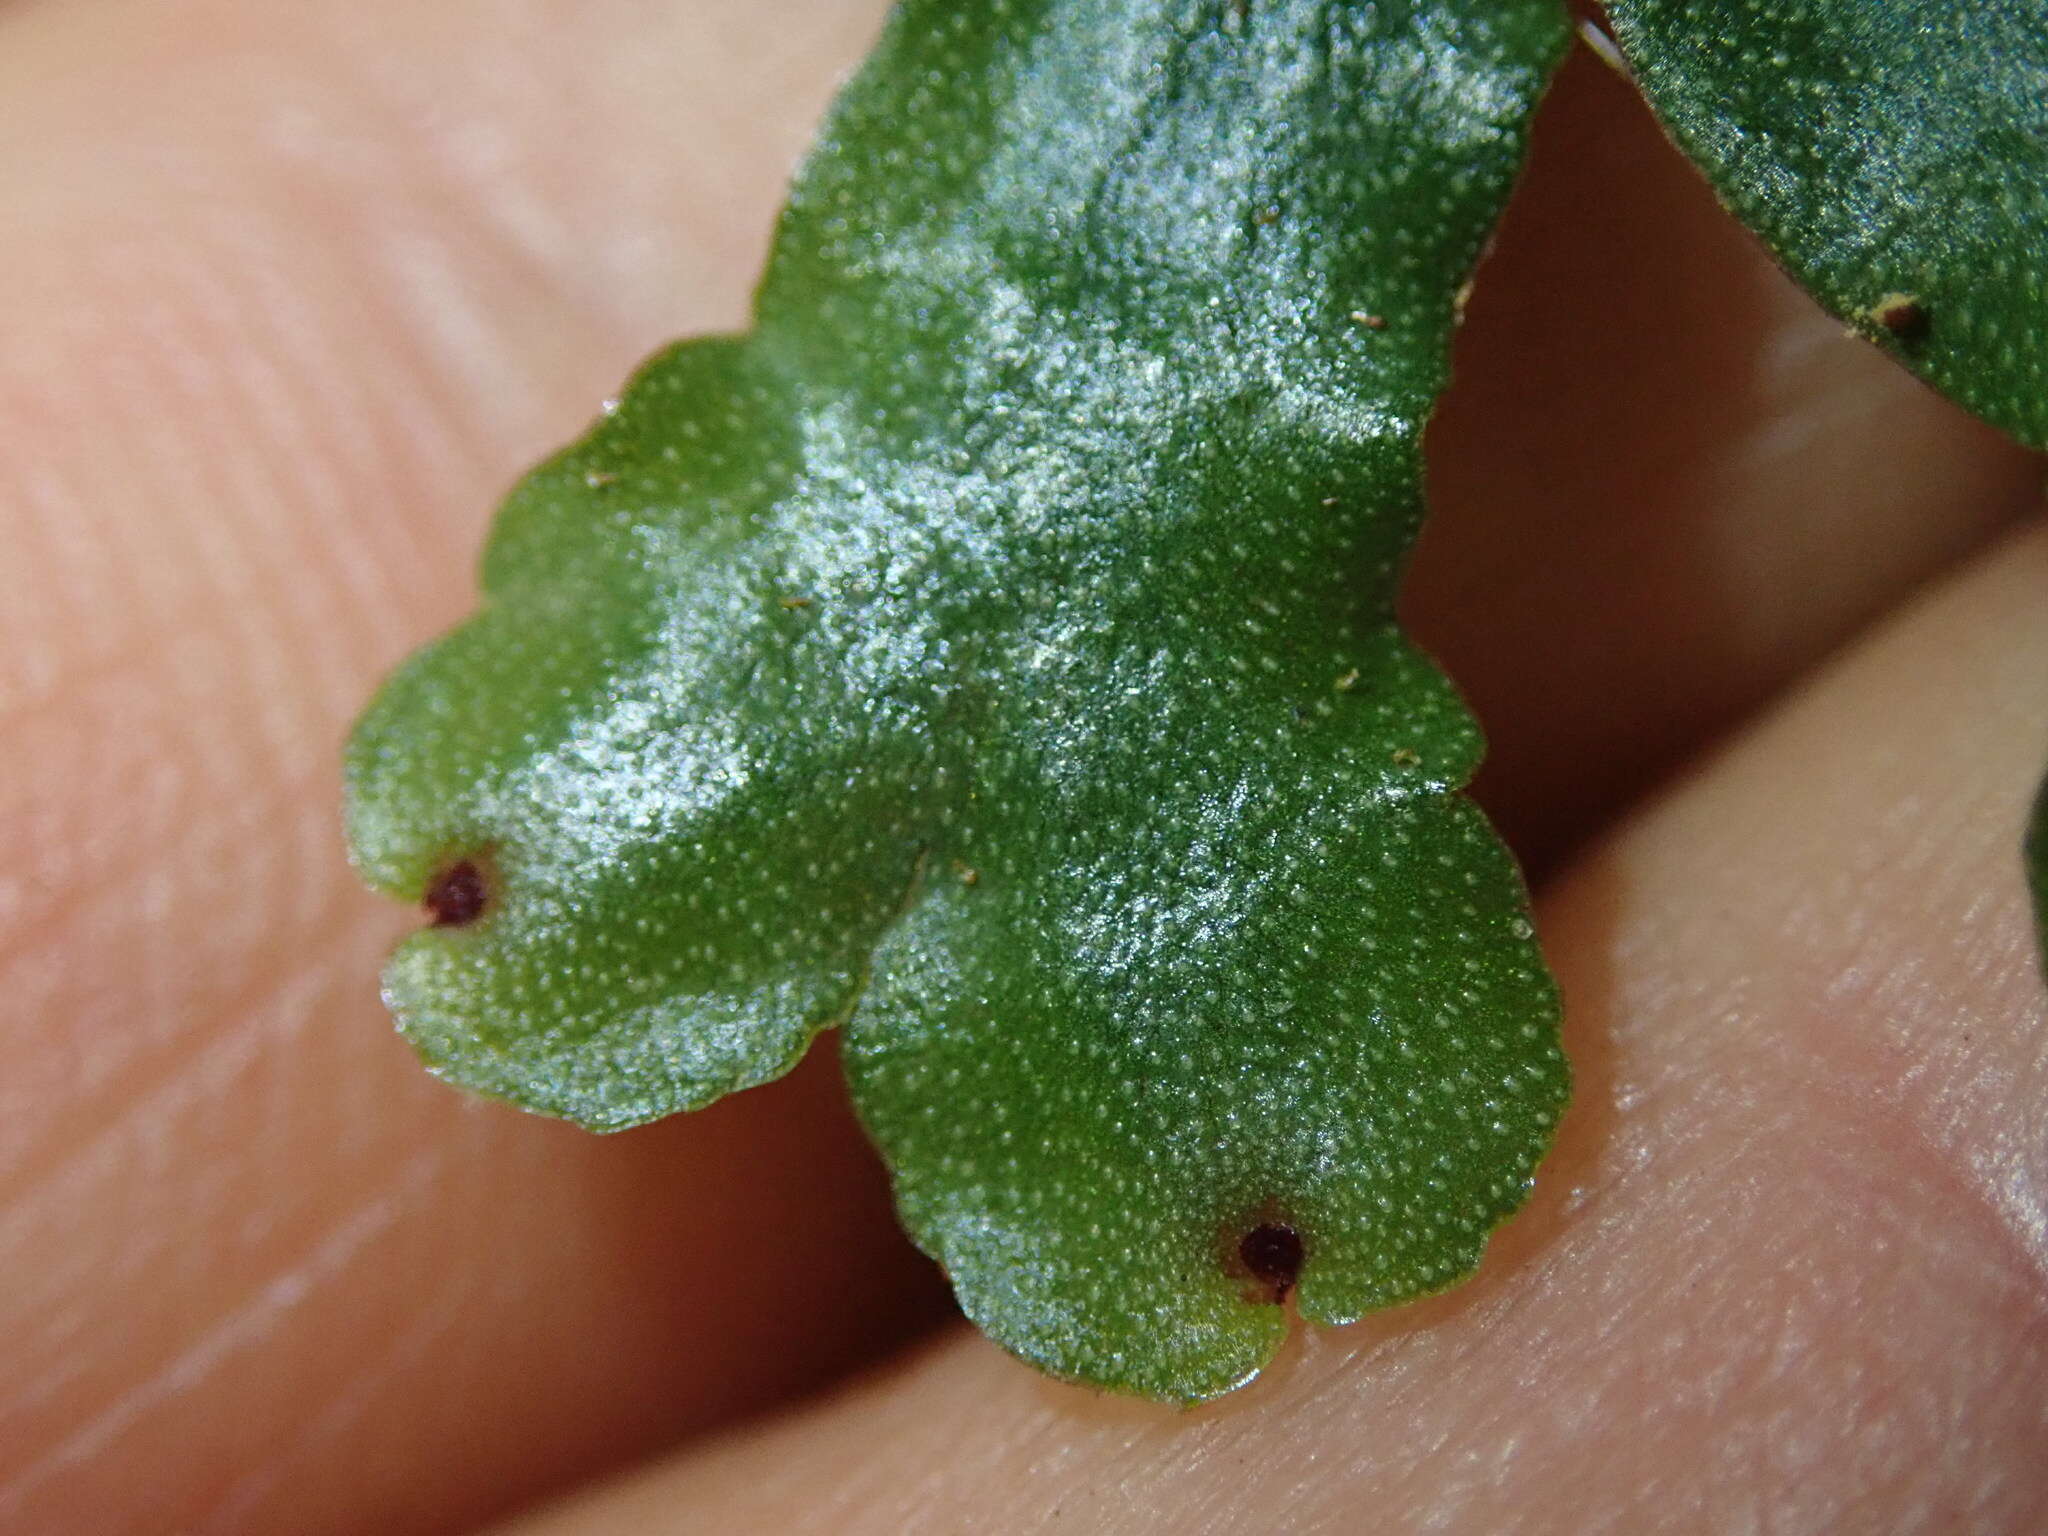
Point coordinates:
[(1894, 155), (992, 653)]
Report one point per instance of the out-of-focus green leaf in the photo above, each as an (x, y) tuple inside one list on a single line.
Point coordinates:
[(1894, 153), (994, 652), (2036, 851)]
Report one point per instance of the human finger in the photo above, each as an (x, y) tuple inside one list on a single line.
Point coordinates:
[(1785, 1268)]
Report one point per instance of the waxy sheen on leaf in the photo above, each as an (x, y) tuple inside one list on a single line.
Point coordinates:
[(992, 653)]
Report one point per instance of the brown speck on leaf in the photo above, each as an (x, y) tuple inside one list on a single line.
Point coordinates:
[(796, 602), (1902, 314), (1370, 321), (1347, 682), (1407, 757), (598, 479), (1267, 215), (968, 874), (458, 895)]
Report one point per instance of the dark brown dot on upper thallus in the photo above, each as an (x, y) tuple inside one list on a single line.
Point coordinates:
[(457, 896), (1272, 1252)]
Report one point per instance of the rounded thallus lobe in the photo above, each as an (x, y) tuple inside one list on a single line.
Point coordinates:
[(1045, 528)]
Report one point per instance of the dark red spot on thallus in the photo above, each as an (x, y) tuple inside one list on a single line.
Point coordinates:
[(1272, 1253), (1904, 318), (457, 896)]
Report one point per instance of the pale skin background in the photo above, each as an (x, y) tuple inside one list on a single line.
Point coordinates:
[(292, 289)]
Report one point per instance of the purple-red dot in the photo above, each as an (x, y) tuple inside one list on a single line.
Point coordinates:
[(1272, 1252), (457, 896), (1904, 318)]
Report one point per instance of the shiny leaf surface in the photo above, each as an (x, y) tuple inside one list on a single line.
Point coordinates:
[(993, 652)]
